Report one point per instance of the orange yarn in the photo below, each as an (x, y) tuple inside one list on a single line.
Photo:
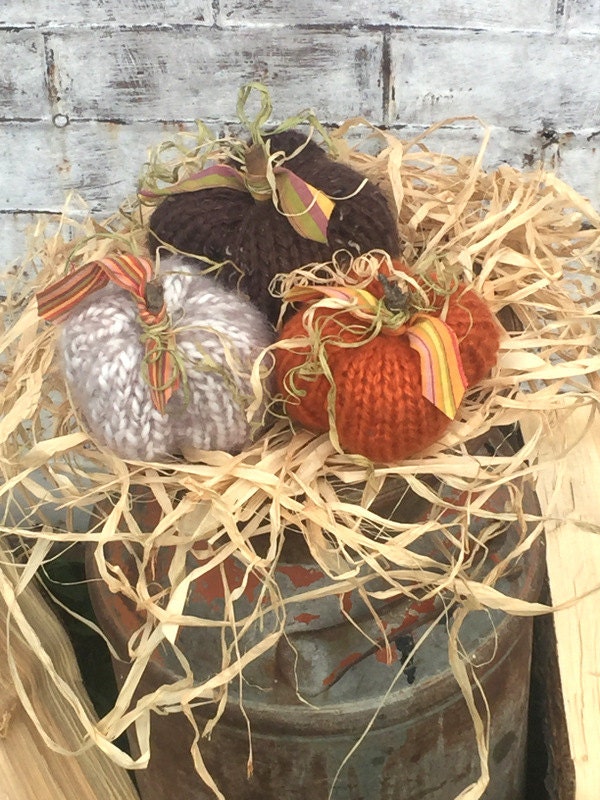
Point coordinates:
[(380, 411)]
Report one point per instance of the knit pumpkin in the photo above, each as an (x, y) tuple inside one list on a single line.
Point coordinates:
[(222, 223), (218, 336), (379, 408)]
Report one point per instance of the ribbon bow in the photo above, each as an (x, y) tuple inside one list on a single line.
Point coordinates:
[(307, 209), (443, 381), (164, 370)]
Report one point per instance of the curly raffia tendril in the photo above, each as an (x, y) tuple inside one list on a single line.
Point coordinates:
[(257, 126), (163, 366)]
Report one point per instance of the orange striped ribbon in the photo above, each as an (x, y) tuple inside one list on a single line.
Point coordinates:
[(163, 370), (443, 380)]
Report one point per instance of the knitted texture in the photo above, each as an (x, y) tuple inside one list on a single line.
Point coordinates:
[(223, 223), (218, 334), (379, 409)]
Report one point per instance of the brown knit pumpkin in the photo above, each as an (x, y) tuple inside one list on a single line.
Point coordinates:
[(222, 223), (380, 411)]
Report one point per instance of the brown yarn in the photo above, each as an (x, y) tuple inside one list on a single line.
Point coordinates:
[(223, 223)]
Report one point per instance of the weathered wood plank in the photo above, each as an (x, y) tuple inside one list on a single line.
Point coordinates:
[(495, 14), (580, 166), (137, 75), (103, 161), (575, 157), (549, 756), (509, 80), (502, 14), (28, 768), (13, 228), (22, 86), (50, 14), (567, 490)]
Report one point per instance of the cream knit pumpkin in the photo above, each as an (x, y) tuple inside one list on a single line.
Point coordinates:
[(219, 336)]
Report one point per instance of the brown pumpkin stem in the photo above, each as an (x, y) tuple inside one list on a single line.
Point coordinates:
[(256, 174), (394, 298), (256, 161), (154, 296)]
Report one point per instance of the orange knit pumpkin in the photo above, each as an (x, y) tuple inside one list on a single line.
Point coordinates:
[(380, 411)]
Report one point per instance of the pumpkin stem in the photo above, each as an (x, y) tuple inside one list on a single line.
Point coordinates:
[(394, 298), (256, 160), (154, 296), (256, 174)]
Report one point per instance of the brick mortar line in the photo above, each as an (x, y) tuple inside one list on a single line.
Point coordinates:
[(336, 27), (588, 132), (14, 212)]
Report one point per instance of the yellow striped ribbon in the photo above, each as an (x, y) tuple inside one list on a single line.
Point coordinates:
[(307, 209), (163, 369), (443, 380)]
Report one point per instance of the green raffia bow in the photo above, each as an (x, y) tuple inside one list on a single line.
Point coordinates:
[(308, 209)]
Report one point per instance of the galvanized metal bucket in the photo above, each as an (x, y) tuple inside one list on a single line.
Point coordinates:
[(310, 699)]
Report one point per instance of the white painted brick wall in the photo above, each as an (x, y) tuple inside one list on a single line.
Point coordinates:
[(183, 74), (473, 14), (514, 80), (583, 16), (86, 87)]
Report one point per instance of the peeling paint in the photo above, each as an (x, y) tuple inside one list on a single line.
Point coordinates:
[(301, 576), (51, 77), (345, 664), (387, 656), (347, 602), (210, 586), (306, 618)]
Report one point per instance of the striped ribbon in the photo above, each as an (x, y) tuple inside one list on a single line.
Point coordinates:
[(163, 368), (307, 209), (443, 381)]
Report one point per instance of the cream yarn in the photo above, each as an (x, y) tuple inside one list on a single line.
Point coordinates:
[(219, 335)]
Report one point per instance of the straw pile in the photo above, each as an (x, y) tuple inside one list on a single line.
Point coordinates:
[(91, 775), (525, 241)]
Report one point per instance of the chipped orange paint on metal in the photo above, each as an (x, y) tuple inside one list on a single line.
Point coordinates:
[(300, 575), (306, 618), (346, 662)]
